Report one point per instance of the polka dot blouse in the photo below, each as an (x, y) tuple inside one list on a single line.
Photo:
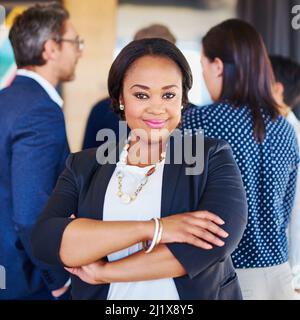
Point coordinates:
[(269, 174)]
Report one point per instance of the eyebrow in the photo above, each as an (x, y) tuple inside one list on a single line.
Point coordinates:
[(147, 88)]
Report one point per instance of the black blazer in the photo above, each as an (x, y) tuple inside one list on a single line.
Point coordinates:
[(210, 273)]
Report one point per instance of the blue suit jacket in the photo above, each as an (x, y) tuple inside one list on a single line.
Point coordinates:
[(102, 116), (219, 188), (33, 149)]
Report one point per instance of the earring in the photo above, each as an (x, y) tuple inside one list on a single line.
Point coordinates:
[(182, 107), (122, 107)]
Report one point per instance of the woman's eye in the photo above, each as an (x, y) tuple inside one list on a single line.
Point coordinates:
[(168, 95), (141, 95)]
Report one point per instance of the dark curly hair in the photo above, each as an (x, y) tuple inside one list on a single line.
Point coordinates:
[(140, 48)]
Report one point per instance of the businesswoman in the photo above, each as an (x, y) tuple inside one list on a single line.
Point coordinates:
[(238, 74), (143, 227)]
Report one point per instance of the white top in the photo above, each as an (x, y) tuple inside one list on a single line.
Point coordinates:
[(144, 207), (294, 225), (45, 84)]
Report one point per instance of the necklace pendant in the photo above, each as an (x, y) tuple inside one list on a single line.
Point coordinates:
[(125, 198), (120, 174), (119, 194), (132, 197)]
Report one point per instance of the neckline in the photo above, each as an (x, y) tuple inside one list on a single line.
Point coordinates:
[(137, 168), (123, 155)]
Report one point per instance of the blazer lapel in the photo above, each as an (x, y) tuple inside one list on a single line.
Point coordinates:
[(103, 177), (170, 180)]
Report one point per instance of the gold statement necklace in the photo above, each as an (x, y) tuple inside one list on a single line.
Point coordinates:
[(127, 198)]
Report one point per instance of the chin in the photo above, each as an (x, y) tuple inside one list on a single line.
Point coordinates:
[(68, 78), (72, 77)]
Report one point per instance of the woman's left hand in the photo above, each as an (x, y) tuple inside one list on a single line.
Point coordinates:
[(92, 273)]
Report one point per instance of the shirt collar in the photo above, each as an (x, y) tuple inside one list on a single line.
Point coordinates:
[(46, 85)]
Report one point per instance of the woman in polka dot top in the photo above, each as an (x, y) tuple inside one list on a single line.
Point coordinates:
[(239, 77)]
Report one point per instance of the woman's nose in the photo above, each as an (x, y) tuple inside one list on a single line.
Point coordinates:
[(156, 107)]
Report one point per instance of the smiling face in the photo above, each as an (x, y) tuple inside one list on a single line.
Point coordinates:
[(152, 96)]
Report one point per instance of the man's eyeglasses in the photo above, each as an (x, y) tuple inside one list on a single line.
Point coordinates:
[(78, 42)]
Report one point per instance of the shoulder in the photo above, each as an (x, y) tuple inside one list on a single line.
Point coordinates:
[(24, 96), (25, 87), (82, 159), (279, 128), (206, 147), (213, 147), (209, 143), (83, 163), (218, 155), (101, 107), (210, 108), (211, 115), (215, 144)]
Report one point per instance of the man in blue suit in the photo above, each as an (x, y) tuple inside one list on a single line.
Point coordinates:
[(33, 145)]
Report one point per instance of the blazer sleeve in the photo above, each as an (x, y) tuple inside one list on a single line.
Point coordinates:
[(47, 234), (38, 143), (225, 196)]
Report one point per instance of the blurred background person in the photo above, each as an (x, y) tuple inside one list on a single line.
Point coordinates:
[(287, 86), (33, 144), (107, 26), (102, 115), (239, 77), (287, 95)]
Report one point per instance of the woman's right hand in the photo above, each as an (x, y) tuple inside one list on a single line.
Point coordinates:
[(198, 228)]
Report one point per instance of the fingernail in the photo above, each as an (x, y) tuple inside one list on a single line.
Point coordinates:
[(225, 234), (220, 243)]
